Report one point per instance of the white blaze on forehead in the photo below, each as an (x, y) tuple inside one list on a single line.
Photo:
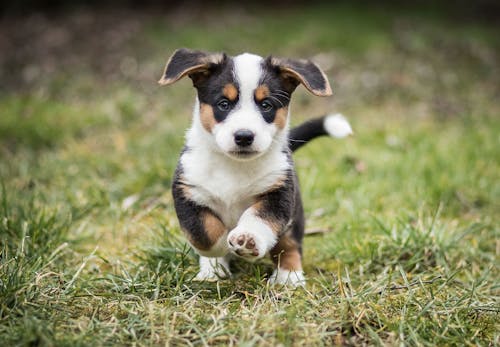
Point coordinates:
[(248, 71), (246, 114)]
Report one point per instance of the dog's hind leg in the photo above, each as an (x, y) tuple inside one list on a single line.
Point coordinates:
[(287, 253), (287, 257)]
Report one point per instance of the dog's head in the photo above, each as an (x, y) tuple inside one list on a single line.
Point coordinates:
[(243, 100)]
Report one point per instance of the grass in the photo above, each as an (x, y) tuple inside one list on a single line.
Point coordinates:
[(91, 252)]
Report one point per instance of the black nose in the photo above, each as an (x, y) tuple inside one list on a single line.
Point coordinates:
[(243, 138)]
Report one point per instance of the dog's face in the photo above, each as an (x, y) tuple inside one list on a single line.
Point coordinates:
[(243, 101)]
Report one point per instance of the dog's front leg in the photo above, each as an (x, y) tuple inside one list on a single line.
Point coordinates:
[(261, 225), (267, 227), (205, 231), (213, 268), (208, 236), (253, 237)]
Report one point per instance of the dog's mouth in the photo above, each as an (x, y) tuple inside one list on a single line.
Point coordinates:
[(243, 154)]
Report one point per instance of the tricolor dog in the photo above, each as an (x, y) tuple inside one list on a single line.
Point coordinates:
[(235, 188)]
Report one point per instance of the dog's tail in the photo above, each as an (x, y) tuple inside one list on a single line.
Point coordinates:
[(334, 125)]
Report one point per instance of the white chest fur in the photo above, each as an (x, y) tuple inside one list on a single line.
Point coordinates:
[(227, 186)]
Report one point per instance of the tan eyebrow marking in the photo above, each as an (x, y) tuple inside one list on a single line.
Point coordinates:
[(262, 92), (230, 91)]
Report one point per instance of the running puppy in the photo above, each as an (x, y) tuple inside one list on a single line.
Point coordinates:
[(235, 188)]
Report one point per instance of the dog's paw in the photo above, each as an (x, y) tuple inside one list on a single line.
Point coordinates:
[(244, 244), (252, 238), (289, 278), (213, 269)]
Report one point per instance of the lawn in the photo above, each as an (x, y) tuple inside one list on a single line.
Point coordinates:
[(403, 218)]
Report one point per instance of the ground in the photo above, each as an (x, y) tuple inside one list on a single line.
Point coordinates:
[(403, 242)]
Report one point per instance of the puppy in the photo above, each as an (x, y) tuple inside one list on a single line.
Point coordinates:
[(235, 188)]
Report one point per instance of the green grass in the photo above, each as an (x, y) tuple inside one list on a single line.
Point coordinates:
[(91, 252)]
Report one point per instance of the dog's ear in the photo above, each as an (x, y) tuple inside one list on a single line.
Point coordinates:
[(196, 64), (302, 71)]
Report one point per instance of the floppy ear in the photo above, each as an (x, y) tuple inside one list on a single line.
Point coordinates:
[(195, 64), (305, 72)]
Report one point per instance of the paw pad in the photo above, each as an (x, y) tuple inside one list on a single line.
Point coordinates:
[(243, 245)]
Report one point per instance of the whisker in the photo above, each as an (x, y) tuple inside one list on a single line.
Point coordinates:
[(282, 92), (294, 140), (290, 140), (278, 100), (281, 96)]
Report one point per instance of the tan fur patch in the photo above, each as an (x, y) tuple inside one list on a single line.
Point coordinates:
[(258, 206), (261, 93), (194, 242), (280, 118), (214, 58), (207, 117), (286, 254), (230, 91), (185, 188), (186, 192), (213, 226)]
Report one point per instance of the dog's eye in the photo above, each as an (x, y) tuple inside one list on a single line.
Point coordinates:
[(223, 105), (266, 106)]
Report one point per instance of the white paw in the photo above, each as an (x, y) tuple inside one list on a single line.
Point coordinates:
[(213, 269), (248, 245), (289, 278), (252, 238)]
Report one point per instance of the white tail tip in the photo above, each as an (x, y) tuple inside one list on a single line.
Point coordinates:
[(337, 126)]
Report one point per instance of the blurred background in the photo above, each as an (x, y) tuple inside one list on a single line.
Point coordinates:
[(125, 40), (428, 53)]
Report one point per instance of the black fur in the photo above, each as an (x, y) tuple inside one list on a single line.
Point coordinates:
[(305, 132), (298, 226), (278, 204), (185, 61), (210, 90), (274, 78), (293, 72), (283, 206), (280, 90), (307, 70)]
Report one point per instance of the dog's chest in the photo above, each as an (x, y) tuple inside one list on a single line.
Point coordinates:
[(229, 187)]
